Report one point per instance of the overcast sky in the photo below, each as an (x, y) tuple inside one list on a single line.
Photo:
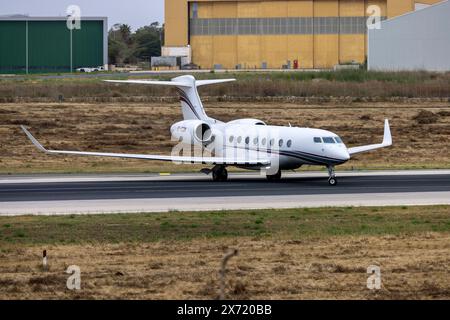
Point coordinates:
[(136, 13)]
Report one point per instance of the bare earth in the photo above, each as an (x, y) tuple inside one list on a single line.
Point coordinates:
[(412, 267), (144, 128)]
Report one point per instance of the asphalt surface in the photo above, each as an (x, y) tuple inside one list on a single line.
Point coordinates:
[(237, 186)]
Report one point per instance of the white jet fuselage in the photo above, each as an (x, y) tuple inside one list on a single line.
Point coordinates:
[(290, 147)]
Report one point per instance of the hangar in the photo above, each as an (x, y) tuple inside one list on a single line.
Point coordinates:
[(259, 34), (46, 44)]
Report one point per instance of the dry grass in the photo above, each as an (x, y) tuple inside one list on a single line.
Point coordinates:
[(144, 128), (357, 84), (412, 267), (283, 254)]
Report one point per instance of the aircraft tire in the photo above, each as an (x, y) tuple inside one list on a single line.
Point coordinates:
[(274, 177), (332, 181)]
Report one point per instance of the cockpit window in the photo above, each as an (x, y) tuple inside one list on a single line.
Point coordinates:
[(328, 140), (317, 140), (338, 140)]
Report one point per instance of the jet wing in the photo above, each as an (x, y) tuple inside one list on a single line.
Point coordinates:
[(387, 141), (180, 159)]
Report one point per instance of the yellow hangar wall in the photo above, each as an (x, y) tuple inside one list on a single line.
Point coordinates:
[(317, 45)]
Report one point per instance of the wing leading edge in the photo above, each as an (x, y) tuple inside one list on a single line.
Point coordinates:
[(180, 159)]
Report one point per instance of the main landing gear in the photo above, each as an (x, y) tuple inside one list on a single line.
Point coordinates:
[(332, 181), (274, 177), (219, 174)]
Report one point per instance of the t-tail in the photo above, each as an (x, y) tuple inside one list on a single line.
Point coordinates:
[(191, 104)]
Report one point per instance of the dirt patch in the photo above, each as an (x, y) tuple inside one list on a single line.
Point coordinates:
[(426, 117)]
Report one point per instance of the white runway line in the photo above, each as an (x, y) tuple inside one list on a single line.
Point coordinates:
[(199, 176), (220, 203)]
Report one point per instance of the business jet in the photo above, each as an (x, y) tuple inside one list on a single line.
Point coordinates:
[(244, 143)]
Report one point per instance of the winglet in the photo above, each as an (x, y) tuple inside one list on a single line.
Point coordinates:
[(387, 138), (33, 140), (387, 141)]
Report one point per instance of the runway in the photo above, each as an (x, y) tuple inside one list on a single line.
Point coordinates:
[(149, 193)]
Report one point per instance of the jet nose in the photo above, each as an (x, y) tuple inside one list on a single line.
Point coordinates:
[(342, 154), (338, 152), (345, 155)]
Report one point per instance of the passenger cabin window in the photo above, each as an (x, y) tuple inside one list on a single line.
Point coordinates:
[(338, 140), (231, 139), (247, 140), (328, 140), (289, 143), (272, 142), (280, 143), (255, 141), (317, 140), (263, 142), (239, 139)]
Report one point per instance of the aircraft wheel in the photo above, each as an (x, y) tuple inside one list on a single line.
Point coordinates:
[(332, 181), (224, 175), (274, 177), (220, 175)]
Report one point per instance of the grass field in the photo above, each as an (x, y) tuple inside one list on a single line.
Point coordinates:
[(283, 254), (358, 84), (181, 226), (421, 132)]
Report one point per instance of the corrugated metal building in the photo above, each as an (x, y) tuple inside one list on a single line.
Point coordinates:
[(46, 44), (271, 33), (415, 41)]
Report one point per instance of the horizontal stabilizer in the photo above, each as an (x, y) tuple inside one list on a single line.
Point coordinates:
[(177, 82), (150, 82), (186, 85), (200, 83)]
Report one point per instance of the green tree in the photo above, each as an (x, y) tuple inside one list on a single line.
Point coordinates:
[(117, 51), (125, 32), (128, 47), (147, 42), (118, 48)]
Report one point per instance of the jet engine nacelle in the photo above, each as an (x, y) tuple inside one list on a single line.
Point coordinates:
[(192, 131), (255, 122)]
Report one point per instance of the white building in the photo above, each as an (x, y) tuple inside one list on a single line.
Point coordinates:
[(418, 40)]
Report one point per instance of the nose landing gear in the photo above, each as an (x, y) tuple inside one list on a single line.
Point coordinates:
[(332, 181), (219, 174)]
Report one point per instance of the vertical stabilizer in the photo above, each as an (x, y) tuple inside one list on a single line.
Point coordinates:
[(191, 105)]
